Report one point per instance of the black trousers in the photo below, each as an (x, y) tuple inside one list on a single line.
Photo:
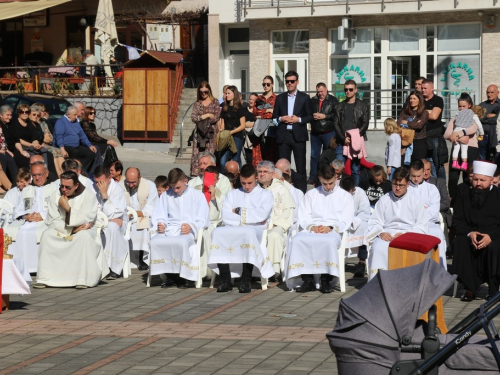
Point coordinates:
[(225, 273), (84, 154), (419, 149), (324, 276), (454, 174), (9, 166), (285, 150)]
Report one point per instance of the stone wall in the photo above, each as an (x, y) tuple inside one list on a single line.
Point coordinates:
[(108, 113)]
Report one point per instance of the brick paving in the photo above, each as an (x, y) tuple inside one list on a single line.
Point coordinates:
[(123, 327)]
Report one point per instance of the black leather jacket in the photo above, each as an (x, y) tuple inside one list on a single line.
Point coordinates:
[(327, 108), (361, 119)]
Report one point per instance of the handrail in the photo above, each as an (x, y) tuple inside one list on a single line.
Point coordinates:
[(179, 151), (176, 101)]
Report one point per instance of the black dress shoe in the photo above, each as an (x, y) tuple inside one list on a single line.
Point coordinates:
[(226, 286), (360, 270), (307, 286), (325, 287), (142, 266), (112, 276), (245, 286), (168, 283), (182, 283)]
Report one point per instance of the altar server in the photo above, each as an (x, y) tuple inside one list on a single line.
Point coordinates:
[(396, 213), (236, 249), (178, 217), (324, 214)]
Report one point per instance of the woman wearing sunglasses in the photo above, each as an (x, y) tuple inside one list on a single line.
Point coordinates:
[(35, 116), (265, 148), (205, 115), (32, 136), (90, 130)]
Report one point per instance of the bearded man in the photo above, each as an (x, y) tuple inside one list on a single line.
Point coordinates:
[(476, 219)]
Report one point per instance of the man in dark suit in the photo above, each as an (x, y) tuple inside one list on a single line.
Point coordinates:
[(293, 110)]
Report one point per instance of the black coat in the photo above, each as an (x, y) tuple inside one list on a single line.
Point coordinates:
[(302, 108), (361, 119), (328, 109)]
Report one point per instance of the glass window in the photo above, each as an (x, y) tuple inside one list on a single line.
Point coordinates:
[(403, 39), (357, 69), (361, 46), (238, 35), (378, 40), (285, 42), (459, 37), (430, 38)]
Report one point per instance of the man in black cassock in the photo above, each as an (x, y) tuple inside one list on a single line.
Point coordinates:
[(476, 219)]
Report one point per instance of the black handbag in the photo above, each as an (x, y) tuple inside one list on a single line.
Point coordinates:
[(109, 156)]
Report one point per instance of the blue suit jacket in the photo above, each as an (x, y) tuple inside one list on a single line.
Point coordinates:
[(302, 108)]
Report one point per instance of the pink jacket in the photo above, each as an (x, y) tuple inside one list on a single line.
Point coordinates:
[(356, 150)]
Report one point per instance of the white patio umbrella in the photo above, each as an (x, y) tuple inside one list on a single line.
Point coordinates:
[(106, 35)]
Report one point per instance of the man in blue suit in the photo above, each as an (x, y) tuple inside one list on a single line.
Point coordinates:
[(293, 109)]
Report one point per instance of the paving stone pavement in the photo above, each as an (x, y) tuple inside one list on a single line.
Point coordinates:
[(123, 327)]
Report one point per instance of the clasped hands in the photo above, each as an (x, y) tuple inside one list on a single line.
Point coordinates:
[(321, 229), (290, 119), (185, 228), (33, 217), (388, 237), (484, 242)]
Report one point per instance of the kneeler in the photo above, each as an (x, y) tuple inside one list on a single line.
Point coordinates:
[(410, 249)]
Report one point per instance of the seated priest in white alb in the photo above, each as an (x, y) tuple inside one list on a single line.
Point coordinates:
[(215, 198), (111, 199), (206, 159), (357, 231), (68, 250), (324, 214), (13, 196), (297, 194), (178, 217), (396, 213), (142, 196), (236, 249), (431, 199), (29, 215), (281, 217)]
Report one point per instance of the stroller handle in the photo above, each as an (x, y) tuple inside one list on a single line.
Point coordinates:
[(467, 321)]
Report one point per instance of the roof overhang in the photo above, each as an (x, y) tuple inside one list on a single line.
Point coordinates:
[(11, 9)]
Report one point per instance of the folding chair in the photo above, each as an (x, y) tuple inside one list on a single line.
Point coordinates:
[(127, 268), (6, 211)]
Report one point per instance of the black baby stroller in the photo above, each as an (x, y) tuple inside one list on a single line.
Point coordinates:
[(378, 331)]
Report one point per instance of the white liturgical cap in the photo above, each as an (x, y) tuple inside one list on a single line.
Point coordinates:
[(485, 168)]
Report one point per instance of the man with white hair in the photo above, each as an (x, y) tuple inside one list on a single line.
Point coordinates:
[(476, 219), (206, 159), (80, 106), (282, 216), (71, 139), (339, 166), (297, 180)]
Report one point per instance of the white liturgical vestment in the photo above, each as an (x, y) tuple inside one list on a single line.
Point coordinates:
[(26, 235), (114, 243), (67, 259), (239, 240), (357, 231), (393, 215), (317, 253), (171, 251), (431, 199), (224, 185)]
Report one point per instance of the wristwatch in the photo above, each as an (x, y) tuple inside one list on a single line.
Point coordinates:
[(237, 210)]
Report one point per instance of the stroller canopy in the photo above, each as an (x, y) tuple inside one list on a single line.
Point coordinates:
[(386, 310)]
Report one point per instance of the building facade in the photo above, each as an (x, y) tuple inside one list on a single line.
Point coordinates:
[(455, 45)]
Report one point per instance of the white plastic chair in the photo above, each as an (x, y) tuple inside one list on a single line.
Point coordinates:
[(341, 251), (263, 242), (127, 268), (199, 282), (6, 211), (101, 223)]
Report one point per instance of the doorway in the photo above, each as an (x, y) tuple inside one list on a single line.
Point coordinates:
[(403, 71), (283, 65)]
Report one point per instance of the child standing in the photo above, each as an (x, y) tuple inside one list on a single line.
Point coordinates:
[(393, 148), (465, 118)]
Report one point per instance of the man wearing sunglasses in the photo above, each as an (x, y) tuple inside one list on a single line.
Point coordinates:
[(350, 114), (293, 110)]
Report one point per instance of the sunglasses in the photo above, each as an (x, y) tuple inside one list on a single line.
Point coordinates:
[(91, 113), (292, 81), (348, 90), (36, 115), (265, 84), (24, 112), (204, 91), (65, 187)]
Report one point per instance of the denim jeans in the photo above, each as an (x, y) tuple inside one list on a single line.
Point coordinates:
[(483, 147), (227, 155), (437, 170), (319, 142)]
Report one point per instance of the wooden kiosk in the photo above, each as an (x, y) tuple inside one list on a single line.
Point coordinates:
[(152, 87)]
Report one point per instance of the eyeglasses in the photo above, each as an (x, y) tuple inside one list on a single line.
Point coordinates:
[(267, 84), (35, 114), (24, 112), (400, 186), (204, 91), (91, 113), (66, 187), (264, 172), (130, 182), (290, 81), (37, 174), (348, 89)]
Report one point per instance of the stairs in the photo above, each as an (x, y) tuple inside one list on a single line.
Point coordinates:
[(188, 97)]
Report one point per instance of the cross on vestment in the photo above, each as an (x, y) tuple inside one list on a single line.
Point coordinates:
[(317, 264), (230, 249), (347, 33), (175, 261)]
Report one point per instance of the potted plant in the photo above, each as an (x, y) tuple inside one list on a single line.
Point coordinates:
[(76, 79), (56, 87), (8, 79), (28, 83), (117, 90)]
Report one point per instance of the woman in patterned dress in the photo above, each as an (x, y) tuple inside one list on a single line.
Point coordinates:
[(266, 149)]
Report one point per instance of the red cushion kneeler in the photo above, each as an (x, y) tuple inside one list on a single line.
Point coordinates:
[(420, 243)]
